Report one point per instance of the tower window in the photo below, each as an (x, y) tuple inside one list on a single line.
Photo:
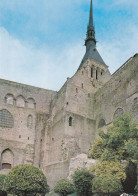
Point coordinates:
[(70, 121), (91, 72), (76, 90), (96, 74), (82, 85)]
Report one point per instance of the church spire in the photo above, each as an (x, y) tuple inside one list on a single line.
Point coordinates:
[(90, 35), (91, 15), (90, 41)]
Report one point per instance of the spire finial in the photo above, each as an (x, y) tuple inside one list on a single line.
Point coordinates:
[(91, 15), (90, 29)]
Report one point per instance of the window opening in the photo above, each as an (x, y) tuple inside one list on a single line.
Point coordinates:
[(76, 90), (6, 166), (30, 121), (96, 74), (91, 72), (101, 123), (70, 121), (82, 85), (6, 119)]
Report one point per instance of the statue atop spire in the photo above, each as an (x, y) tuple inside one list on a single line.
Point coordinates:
[(90, 29)]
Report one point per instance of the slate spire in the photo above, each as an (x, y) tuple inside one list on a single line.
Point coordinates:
[(91, 15), (90, 35), (90, 41)]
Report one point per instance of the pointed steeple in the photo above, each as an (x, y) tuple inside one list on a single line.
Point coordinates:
[(91, 15), (90, 35), (90, 41)]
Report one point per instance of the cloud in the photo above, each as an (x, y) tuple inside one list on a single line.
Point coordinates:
[(120, 48), (41, 43), (48, 69)]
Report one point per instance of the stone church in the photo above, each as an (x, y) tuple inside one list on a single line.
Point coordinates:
[(47, 128)]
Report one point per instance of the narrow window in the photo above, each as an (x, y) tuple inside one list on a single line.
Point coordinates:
[(96, 74), (101, 73), (82, 72), (76, 90), (91, 72), (70, 121), (82, 85)]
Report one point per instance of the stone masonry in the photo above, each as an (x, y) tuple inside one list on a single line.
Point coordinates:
[(50, 129)]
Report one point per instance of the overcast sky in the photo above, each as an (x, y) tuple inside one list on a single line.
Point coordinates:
[(42, 41)]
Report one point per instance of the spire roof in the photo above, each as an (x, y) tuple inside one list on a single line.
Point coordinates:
[(90, 41), (91, 15)]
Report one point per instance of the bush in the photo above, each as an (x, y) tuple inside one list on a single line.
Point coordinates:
[(64, 187), (25, 180), (2, 180), (82, 180)]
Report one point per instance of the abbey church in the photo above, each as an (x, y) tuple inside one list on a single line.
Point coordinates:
[(47, 128)]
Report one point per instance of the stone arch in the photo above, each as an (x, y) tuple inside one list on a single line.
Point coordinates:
[(9, 99), (118, 112), (30, 121), (6, 119), (101, 123), (31, 103), (7, 159), (20, 101)]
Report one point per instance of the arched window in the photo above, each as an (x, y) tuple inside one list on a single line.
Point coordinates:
[(70, 121), (20, 101), (118, 112), (6, 119), (30, 121), (9, 99), (101, 123), (136, 100), (7, 159), (31, 103)]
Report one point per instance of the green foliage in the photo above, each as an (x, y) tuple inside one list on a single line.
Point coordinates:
[(108, 177), (26, 180), (64, 187), (2, 180), (118, 143), (106, 184), (82, 180)]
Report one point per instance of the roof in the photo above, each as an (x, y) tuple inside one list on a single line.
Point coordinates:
[(93, 54)]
